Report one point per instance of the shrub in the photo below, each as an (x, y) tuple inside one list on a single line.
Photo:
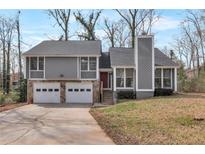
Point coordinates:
[(163, 92), (195, 84), (8, 100), (14, 96), (2, 99), (126, 95), (23, 91)]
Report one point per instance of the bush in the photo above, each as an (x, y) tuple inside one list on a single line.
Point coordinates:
[(163, 92), (126, 95), (14, 96), (2, 99), (195, 84), (23, 91)]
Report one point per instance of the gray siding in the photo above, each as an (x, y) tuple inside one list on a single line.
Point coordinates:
[(145, 63), (144, 94), (55, 67)]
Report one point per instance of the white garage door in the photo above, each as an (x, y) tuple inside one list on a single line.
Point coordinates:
[(79, 93), (46, 92)]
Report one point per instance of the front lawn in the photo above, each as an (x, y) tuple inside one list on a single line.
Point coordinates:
[(178, 119)]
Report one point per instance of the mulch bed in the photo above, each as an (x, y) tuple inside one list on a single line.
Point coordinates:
[(9, 106)]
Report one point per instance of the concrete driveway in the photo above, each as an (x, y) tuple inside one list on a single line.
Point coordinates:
[(50, 124)]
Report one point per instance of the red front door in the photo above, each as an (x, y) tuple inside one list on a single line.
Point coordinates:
[(104, 79)]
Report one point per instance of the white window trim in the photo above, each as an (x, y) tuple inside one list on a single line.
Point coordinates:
[(125, 80), (167, 78), (37, 70), (158, 78), (114, 78), (175, 79), (97, 67), (162, 78)]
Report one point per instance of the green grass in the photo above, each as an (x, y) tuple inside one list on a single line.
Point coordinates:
[(160, 120)]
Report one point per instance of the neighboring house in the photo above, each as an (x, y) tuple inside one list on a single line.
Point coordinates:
[(79, 72)]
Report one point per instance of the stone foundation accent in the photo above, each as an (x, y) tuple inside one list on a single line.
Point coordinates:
[(29, 91), (62, 92), (96, 89)]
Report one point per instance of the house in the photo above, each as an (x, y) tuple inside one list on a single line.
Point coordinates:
[(79, 72)]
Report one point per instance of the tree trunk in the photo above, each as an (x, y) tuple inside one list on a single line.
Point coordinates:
[(8, 69), (133, 38), (4, 68)]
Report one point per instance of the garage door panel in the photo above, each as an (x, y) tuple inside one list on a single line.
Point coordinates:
[(79, 93), (46, 93)]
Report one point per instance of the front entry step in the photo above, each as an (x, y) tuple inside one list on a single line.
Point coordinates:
[(107, 97)]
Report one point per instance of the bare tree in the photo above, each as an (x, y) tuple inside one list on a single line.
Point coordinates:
[(110, 31), (195, 18), (88, 24), (123, 34), (3, 35), (6, 36), (192, 44), (149, 21), (134, 19), (62, 17)]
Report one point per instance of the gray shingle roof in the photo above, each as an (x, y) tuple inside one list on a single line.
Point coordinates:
[(163, 60), (69, 48), (104, 61), (125, 57), (122, 56)]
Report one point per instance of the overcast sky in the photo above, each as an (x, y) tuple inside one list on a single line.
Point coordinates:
[(37, 26)]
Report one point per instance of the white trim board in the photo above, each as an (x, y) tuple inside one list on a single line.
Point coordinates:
[(105, 70), (166, 66)]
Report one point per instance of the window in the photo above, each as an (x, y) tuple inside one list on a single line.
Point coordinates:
[(50, 90), (70, 90), (163, 78), (158, 78), (76, 90), (33, 63), (129, 77), (92, 63), (44, 90), (36, 67), (167, 78), (84, 63), (56, 90), (41, 63), (88, 67), (38, 90), (120, 77), (37, 63), (124, 77), (82, 90), (88, 90)]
